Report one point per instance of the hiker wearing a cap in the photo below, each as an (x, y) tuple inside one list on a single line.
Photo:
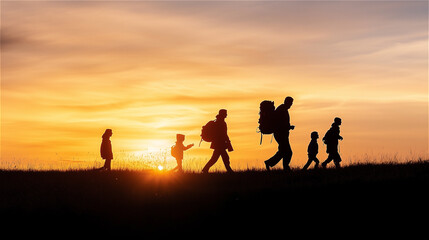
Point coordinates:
[(281, 135), (220, 143)]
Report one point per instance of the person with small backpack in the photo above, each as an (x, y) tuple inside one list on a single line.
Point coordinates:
[(177, 151), (281, 135), (216, 133), (331, 140)]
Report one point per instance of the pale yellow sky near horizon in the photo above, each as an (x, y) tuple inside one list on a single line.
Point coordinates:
[(149, 70)]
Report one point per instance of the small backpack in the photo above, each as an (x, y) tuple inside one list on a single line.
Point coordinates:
[(174, 152), (208, 131), (267, 119)]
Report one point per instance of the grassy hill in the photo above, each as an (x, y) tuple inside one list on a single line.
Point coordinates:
[(362, 200)]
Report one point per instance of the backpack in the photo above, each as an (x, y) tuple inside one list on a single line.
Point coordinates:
[(267, 118), (174, 152), (329, 136), (208, 131)]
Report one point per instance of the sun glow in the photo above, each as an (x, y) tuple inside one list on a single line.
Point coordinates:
[(147, 89), (160, 168)]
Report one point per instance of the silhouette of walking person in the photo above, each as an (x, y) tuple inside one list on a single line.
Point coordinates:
[(106, 149), (177, 151), (331, 140), (220, 142), (281, 135), (312, 150)]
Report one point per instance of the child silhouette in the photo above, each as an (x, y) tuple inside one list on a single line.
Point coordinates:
[(177, 151), (106, 149), (313, 149)]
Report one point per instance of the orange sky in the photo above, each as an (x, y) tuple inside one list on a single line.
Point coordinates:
[(149, 70)]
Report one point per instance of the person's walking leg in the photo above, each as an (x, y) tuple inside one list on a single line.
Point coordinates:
[(274, 159), (307, 164), (179, 165), (280, 152), (225, 159), (107, 164), (287, 155), (317, 163), (328, 160), (212, 161), (337, 160)]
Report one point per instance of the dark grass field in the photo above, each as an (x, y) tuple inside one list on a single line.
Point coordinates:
[(386, 200)]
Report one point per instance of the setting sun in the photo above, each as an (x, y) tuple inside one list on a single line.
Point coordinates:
[(160, 168)]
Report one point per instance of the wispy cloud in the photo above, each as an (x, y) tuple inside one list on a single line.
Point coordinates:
[(150, 68)]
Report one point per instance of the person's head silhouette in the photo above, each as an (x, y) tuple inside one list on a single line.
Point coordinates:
[(314, 135), (108, 133), (222, 114), (180, 137), (337, 121), (288, 102)]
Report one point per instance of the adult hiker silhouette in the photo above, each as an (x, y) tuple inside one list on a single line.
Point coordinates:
[(331, 140), (281, 135), (220, 142)]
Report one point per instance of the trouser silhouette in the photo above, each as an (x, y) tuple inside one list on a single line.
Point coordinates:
[(284, 151), (179, 165), (216, 154), (333, 156), (107, 164), (310, 160)]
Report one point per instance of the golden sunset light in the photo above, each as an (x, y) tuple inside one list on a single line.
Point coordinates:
[(182, 119), (151, 70)]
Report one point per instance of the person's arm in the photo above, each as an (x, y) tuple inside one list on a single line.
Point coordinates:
[(187, 147), (230, 149), (287, 119), (338, 133)]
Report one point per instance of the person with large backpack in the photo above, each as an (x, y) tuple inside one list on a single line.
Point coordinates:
[(331, 140), (216, 133), (281, 135)]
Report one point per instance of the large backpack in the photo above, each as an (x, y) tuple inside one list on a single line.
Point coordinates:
[(267, 118), (208, 131), (329, 136)]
